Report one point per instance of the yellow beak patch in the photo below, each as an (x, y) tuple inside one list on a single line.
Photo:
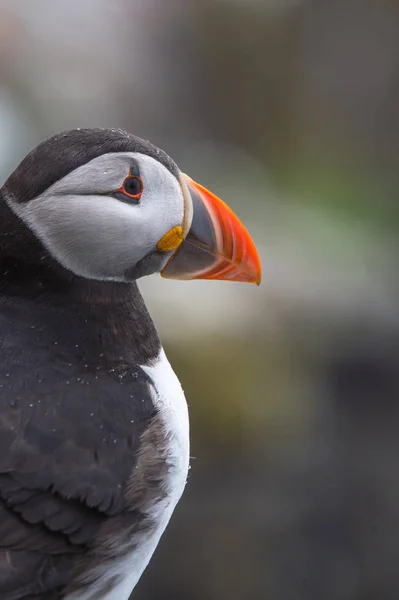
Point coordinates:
[(171, 240)]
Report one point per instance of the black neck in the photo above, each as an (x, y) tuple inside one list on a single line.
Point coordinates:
[(28, 272)]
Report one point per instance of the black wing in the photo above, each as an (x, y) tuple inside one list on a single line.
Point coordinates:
[(70, 430)]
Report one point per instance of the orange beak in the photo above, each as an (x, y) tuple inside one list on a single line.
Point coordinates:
[(217, 245)]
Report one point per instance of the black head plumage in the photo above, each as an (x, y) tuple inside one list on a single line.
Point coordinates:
[(57, 156)]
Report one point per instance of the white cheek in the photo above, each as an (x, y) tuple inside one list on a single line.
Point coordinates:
[(93, 236), (162, 198), (100, 237)]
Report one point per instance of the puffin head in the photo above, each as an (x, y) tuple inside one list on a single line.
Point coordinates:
[(107, 205)]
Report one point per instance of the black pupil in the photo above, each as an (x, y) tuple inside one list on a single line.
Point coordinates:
[(132, 186)]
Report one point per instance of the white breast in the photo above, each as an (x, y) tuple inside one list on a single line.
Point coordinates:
[(168, 398)]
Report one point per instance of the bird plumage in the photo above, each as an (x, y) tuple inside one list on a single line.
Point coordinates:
[(94, 431), (65, 152), (70, 467)]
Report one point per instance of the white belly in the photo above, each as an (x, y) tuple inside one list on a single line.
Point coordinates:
[(168, 398)]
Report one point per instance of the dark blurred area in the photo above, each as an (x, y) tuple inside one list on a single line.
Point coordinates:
[(287, 109)]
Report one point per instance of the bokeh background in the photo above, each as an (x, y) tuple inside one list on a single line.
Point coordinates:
[(289, 110)]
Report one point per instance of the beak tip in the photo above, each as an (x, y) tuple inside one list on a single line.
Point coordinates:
[(257, 278), (216, 246)]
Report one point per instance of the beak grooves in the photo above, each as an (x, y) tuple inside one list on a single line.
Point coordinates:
[(217, 246)]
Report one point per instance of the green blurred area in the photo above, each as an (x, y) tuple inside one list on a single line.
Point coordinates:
[(289, 110)]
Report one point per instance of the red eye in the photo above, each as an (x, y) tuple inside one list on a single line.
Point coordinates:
[(132, 186), (130, 190)]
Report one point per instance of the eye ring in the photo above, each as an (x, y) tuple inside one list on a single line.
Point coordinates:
[(131, 189)]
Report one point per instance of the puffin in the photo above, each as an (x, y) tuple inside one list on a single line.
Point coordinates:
[(94, 428)]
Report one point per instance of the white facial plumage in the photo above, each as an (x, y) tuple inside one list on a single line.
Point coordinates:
[(96, 235)]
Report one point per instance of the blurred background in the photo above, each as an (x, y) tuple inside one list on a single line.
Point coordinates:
[(289, 110)]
